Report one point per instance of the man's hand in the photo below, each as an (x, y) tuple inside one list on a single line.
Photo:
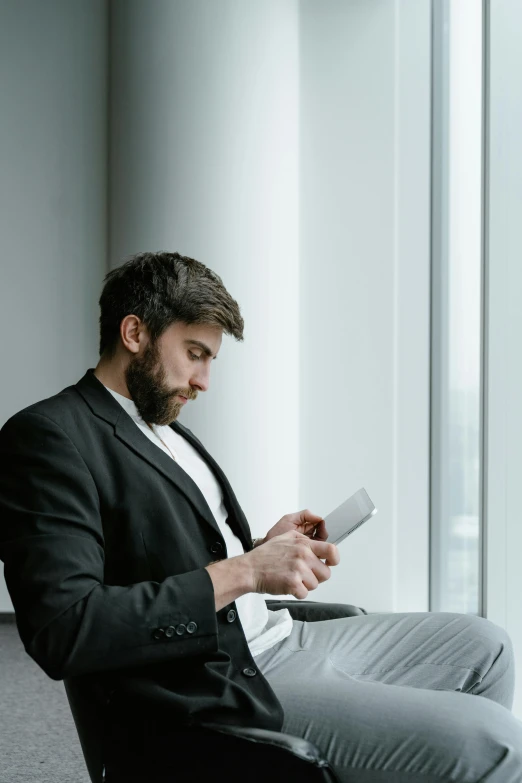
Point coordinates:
[(304, 522), (290, 564)]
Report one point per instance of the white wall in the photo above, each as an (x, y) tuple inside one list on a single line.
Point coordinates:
[(251, 135), (204, 160), (503, 537), (365, 291), (286, 145), (52, 196)]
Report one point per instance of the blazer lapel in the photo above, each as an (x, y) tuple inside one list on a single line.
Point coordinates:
[(236, 517), (103, 404)]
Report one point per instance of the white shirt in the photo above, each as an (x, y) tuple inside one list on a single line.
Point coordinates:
[(263, 628)]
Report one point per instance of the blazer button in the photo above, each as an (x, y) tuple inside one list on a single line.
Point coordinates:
[(216, 547), (159, 633), (231, 616), (170, 631), (180, 629), (191, 627), (248, 672)]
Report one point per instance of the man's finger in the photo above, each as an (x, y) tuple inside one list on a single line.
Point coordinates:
[(306, 516), (320, 531), (324, 551)]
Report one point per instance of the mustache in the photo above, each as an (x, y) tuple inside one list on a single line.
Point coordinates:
[(190, 394)]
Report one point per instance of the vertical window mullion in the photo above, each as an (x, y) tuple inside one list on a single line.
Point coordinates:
[(457, 281)]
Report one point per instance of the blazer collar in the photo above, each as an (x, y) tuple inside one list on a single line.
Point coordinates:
[(103, 404)]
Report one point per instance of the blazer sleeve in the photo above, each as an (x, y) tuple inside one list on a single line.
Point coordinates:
[(52, 545)]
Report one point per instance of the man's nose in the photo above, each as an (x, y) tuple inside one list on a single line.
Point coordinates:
[(201, 379)]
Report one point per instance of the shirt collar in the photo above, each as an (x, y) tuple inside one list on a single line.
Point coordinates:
[(130, 407), (127, 405)]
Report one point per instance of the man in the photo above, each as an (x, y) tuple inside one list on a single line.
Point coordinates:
[(129, 560)]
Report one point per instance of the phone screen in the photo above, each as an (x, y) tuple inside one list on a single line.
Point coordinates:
[(349, 516)]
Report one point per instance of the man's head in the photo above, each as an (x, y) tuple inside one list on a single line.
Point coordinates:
[(161, 324)]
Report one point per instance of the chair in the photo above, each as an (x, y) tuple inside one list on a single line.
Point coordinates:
[(260, 751)]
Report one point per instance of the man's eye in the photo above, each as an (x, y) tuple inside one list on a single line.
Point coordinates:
[(193, 356)]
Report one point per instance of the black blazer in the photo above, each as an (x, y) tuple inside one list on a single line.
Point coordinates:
[(105, 540)]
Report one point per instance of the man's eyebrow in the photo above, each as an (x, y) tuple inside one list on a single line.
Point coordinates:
[(206, 350)]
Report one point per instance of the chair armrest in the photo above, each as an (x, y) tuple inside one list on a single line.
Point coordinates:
[(313, 611), (262, 754), (298, 746)]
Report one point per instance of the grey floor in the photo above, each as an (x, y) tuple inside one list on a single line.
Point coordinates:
[(38, 740)]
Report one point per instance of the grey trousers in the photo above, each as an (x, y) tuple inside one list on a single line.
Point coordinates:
[(402, 697)]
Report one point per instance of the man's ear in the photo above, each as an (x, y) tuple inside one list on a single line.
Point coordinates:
[(133, 333)]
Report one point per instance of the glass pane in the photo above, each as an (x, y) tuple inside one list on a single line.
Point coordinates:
[(456, 307)]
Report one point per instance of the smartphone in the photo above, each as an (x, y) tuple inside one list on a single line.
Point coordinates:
[(349, 516)]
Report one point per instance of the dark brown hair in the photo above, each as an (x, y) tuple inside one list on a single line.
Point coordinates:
[(162, 288)]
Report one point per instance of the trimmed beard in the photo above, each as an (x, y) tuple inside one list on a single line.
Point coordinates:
[(145, 377)]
